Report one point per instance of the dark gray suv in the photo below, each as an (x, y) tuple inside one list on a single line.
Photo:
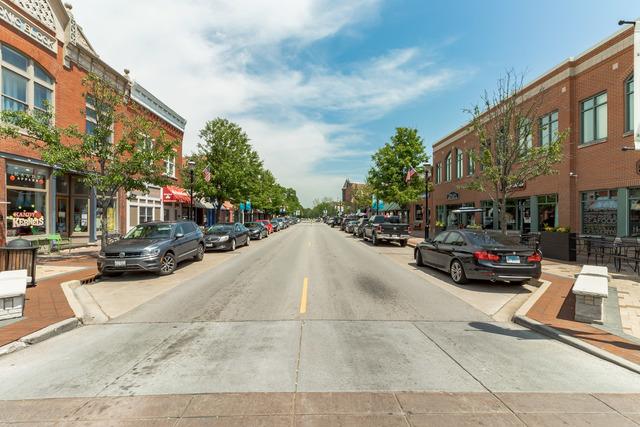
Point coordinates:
[(153, 246)]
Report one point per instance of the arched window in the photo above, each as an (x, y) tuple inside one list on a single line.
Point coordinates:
[(628, 104), (447, 167), (25, 84), (459, 157)]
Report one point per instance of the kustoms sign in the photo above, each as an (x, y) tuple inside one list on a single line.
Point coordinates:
[(23, 25)]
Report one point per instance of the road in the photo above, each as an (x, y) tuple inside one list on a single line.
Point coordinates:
[(308, 310)]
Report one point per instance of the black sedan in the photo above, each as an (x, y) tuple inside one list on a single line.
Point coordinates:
[(226, 236), (480, 255), (257, 230)]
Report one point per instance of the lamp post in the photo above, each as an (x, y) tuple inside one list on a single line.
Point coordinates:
[(426, 212), (191, 164)]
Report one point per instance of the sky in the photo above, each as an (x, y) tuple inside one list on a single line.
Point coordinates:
[(320, 85)]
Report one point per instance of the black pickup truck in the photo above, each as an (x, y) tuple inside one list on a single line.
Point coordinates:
[(380, 229)]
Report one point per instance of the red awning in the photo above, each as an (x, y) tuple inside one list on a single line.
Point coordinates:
[(173, 194)]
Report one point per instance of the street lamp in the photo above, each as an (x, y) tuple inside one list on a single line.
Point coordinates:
[(426, 214), (191, 164)]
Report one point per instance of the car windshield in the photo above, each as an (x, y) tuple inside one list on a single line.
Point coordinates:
[(492, 239), (251, 224), (150, 231), (220, 228)]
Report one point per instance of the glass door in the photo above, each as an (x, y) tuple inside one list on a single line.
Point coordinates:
[(80, 217), (62, 218)]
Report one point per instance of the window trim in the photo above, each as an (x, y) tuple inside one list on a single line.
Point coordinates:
[(167, 162), (471, 164), (459, 163), (596, 140), (628, 104), (447, 167)]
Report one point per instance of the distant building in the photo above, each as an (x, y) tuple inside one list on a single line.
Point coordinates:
[(349, 190)]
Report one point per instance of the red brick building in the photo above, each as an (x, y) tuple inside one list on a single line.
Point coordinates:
[(44, 57), (597, 188)]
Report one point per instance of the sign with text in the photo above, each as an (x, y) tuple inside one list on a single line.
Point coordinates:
[(23, 25)]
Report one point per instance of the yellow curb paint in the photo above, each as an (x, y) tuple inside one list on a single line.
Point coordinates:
[(303, 298)]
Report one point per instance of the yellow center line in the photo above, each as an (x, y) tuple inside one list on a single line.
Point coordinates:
[(303, 298)]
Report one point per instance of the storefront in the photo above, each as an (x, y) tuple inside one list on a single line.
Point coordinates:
[(600, 212), (634, 212), (144, 207), (176, 202), (73, 207), (26, 199)]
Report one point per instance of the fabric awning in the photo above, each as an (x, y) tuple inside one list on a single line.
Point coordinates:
[(204, 204), (391, 207), (227, 206), (174, 194)]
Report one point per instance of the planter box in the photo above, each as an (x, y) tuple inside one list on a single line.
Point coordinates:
[(560, 246)]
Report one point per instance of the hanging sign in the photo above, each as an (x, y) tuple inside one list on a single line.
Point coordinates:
[(23, 25)]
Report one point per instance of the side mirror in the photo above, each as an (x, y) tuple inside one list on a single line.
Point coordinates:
[(179, 235)]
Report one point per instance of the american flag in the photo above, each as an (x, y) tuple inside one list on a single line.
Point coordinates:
[(207, 174), (411, 172)]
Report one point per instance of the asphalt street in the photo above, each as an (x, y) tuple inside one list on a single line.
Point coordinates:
[(308, 310)]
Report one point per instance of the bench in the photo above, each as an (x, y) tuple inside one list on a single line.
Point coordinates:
[(13, 287), (591, 289), (60, 243)]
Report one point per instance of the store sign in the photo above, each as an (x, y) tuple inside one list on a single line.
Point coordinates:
[(27, 219), (21, 24), (453, 196)]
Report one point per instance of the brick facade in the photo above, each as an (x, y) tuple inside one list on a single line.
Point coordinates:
[(585, 167)]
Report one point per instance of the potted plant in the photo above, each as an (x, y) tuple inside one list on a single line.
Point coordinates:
[(439, 227), (558, 243)]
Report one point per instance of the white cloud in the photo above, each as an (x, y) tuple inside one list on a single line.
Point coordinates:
[(233, 58)]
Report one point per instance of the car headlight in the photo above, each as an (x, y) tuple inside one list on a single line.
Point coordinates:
[(151, 251), (224, 238)]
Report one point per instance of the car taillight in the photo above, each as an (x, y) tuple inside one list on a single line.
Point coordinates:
[(485, 256), (537, 257)]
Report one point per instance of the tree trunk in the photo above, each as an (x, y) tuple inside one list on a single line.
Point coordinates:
[(503, 214), (103, 222)]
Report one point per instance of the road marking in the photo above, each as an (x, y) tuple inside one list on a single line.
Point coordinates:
[(303, 298)]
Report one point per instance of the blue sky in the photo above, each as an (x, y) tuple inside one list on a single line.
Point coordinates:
[(319, 85)]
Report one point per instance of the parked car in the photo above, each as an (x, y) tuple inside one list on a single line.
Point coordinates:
[(282, 222), (276, 225), (345, 220), (267, 224), (480, 255), (358, 229), (257, 230), (380, 229), (153, 246), (227, 236), (336, 221), (350, 226)]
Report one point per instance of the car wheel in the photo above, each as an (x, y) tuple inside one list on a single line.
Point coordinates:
[(233, 245), (457, 272), (248, 240), (167, 264), (403, 243), (200, 252), (260, 236), (419, 260), (374, 239)]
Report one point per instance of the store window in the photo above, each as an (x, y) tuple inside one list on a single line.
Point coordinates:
[(447, 168), (418, 213), (441, 214), (600, 212), (471, 164), (594, 119), (112, 217), (634, 212), (548, 128), (628, 104), (27, 200), (25, 84), (547, 211), (145, 214)]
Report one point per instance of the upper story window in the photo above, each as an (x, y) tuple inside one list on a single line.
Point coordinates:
[(471, 165), (170, 166), (628, 104), (525, 137), (91, 120), (594, 118), (459, 163), (447, 167), (548, 128), (438, 176), (25, 84)]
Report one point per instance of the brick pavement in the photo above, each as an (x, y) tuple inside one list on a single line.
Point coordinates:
[(555, 308), (331, 409), (46, 303)]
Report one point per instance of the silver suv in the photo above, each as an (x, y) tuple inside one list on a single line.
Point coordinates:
[(153, 246)]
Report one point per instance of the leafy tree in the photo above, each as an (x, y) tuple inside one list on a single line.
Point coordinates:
[(235, 167), (362, 196), (320, 206), (503, 124), (130, 162), (387, 176)]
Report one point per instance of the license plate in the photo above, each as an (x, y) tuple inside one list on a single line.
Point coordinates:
[(120, 263), (513, 259), (209, 245)]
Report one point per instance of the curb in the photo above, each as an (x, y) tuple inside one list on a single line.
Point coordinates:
[(41, 335), (521, 318)]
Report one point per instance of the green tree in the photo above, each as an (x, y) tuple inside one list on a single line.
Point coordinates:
[(129, 163), (362, 196), (387, 175), (235, 167), (503, 124), (320, 206)]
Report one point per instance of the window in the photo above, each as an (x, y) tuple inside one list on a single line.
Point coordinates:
[(634, 212), (25, 85), (454, 239), (91, 115), (145, 214), (471, 164), (628, 103), (547, 211), (594, 118), (438, 176), (440, 237), (525, 137), (459, 157), (27, 197), (600, 212), (447, 167), (170, 166), (548, 128)]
